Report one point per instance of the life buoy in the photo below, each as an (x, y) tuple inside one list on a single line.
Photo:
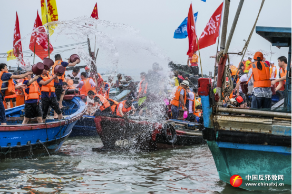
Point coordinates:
[(169, 139)]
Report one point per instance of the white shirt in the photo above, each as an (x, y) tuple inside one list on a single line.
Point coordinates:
[(192, 96), (243, 78)]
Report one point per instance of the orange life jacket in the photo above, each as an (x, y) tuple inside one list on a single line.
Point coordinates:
[(271, 71), (140, 87), (261, 77), (104, 101), (124, 110), (58, 62), (233, 70), (283, 73), (194, 58), (114, 104), (86, 87), (175, 100), (33, 92), (10, 88), (50, 86)]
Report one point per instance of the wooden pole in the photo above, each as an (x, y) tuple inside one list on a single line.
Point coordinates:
[(48, 29), (200, 58), (225, 24)]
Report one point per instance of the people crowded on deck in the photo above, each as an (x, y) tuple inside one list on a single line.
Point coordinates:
[(6, 82)]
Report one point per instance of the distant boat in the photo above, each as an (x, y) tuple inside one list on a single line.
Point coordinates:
[(38, 139)]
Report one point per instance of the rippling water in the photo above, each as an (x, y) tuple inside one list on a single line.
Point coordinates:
[(79, 170)]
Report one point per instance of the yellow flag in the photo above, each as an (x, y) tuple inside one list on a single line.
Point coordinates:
[(49, 13), (10, 55)]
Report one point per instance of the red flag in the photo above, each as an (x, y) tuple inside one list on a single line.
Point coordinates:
[(94, 12), (39, 39), (17, 46), (191, 32), (211, 31)]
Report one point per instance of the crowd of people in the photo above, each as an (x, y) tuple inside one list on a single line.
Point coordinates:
[(255, 82)]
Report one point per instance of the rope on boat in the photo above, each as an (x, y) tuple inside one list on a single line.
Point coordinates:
[(244, 49)]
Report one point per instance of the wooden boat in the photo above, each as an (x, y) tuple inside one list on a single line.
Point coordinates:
[(38, 139), (121, 133), (254, 145)]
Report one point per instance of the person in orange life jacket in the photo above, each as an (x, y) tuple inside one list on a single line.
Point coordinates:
[(4, 78), (194, 63), (179, 99), (58, 86), (11, 97), (273, 70), (32, 107), (48, 96), (282, 63), (74, 76), (101, 103), (262, 93), (85, 84), (125, 107)]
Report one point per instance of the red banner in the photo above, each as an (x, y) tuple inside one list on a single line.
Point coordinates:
[(39, 39), (211, 31), (191, 32), (95, 12), (17, 46)]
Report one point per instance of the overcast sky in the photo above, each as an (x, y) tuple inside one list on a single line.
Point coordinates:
[(156, 21)]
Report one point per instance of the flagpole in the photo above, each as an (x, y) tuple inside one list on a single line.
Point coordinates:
[(48, 29), (200, 57), (34, 50)]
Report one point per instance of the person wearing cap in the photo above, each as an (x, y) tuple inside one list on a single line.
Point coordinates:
[(124, 107), (273, 70), (282, 63), (179, 99), (262, 93), (87, 70)]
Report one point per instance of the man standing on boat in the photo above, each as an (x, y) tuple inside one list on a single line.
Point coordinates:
[(32, 106), (194, 63), (5, 81), (179, 100), (86, 84), (282, 63), (48, 96), (262, 96)]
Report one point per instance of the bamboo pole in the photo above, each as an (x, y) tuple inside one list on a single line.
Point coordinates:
[(200, 57)]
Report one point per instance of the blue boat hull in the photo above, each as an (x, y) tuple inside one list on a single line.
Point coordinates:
[(247, 160), (34, 140), (84, 127)]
